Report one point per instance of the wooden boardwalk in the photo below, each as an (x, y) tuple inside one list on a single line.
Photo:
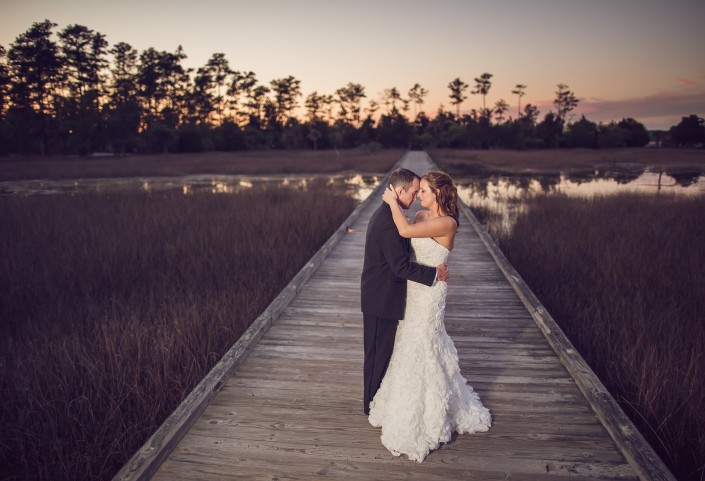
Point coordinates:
[(293, 408)]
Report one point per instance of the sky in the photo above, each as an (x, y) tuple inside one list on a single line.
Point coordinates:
[(622, 58)]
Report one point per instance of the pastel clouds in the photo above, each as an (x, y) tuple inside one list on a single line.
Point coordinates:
[(660, 110), (685, 81)]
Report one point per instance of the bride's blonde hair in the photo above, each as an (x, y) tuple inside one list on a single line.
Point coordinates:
[(442, 185)]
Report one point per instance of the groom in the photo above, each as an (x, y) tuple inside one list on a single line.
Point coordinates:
[(385, 271)]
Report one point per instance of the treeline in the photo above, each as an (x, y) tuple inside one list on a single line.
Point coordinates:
[(59, 94)]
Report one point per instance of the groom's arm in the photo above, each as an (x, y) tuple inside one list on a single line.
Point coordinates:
[(397, 256)]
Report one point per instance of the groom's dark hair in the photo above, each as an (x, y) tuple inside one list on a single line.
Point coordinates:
[(402, 178)]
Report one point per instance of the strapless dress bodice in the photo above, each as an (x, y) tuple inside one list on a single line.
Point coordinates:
[(429, 252)]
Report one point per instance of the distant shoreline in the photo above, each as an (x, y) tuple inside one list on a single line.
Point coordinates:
[(458, 162), (462, 163), (225, 163)]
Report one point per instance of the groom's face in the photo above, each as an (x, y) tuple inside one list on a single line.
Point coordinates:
[(408, 196)]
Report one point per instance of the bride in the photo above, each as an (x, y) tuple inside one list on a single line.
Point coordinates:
[(423, 397)]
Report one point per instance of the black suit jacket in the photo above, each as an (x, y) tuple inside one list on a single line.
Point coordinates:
[(387, 267)]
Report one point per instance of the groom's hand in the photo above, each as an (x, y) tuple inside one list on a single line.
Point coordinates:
[(442, 272)]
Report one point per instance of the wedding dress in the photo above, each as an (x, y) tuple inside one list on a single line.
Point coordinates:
[(423, 397)]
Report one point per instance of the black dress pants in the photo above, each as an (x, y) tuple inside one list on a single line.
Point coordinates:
[(379, 336)]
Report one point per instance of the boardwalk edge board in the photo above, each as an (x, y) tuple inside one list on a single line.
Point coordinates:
[(146, 461), (638, 453)]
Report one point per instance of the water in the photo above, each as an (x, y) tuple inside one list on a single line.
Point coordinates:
[(505, 196), (502, 196), (357, 186)]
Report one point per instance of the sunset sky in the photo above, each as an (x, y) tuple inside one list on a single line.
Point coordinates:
[(621, 58)]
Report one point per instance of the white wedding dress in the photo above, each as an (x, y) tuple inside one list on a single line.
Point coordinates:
[(423, 397)]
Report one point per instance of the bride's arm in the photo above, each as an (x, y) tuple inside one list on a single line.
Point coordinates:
[(439, 227)]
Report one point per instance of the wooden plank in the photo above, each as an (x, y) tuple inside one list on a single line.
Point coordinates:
[(287, 466)]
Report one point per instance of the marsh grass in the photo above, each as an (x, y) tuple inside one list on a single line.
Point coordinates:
[(228, 163), (114, 307), (624, 276), (463, 163)]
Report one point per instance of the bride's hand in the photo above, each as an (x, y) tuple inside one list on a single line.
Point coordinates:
[(390, 197)]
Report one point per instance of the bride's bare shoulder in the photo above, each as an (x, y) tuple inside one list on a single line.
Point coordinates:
[(421, 216)]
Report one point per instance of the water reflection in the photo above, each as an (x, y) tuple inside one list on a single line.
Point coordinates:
[(504, 196), (357, 186), (363, 185)]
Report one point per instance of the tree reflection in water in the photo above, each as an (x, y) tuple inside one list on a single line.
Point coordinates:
[(503, 197), (357, 186)]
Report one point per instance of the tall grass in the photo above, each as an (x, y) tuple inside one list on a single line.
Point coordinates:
[(461, 163), (230, 163), (624, 276), (114, 307)]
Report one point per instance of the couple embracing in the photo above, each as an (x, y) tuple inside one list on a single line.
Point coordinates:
[(413, 386)]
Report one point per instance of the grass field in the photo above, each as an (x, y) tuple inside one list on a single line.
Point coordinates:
[(115, 306), (242, 163), (459, 163), (624, 277), (462, 163)]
